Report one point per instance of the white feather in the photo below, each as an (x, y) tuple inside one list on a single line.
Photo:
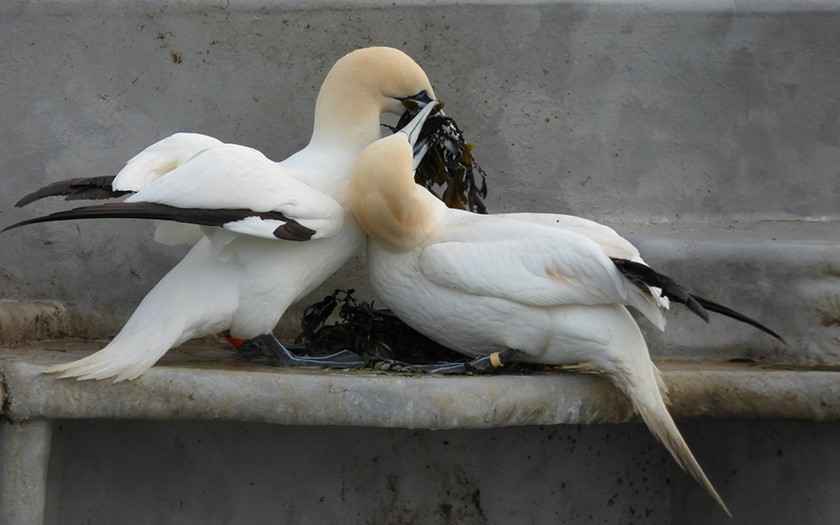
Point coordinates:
[(242, 278), (160, 158), (541, 284)]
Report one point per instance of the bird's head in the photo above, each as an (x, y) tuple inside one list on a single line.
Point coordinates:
[(364, 84)]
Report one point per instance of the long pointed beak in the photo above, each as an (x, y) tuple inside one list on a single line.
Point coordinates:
[(413, 129)]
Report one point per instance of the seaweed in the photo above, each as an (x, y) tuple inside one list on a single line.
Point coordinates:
[(375, 334), (449, 169), (450, 172)]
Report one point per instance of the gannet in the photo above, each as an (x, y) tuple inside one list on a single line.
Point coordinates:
[(270, 232), (538, 288)]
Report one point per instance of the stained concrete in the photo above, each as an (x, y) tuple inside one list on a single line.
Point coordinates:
[(719, 114), (707, 132), (24, 456), (203, 381), (207, 438), (137, 472)]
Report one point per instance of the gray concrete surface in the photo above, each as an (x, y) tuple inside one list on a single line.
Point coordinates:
[(206, 438), (140, 472), (674, 113), (708, 132), (201, 381), (197, 440), (24, 455)]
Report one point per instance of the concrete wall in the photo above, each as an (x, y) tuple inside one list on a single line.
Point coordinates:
[(677, 113), (666, 112), (131, 472)]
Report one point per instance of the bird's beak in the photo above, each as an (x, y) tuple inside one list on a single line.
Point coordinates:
[(413, 129)]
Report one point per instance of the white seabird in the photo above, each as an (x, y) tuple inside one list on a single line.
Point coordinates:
[(271, 232), (532, 287)]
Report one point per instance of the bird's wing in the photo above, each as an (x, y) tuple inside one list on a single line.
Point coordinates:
[(233, 187), (161, 158), (613, 244), (148, 165), (528, 263), (156, 161)]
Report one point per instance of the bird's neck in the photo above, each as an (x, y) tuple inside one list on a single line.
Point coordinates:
[(399, 214), (350, 123)]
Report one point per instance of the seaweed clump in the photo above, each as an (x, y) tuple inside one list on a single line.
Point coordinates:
[(448, 169), (450, 172), (375, 334)]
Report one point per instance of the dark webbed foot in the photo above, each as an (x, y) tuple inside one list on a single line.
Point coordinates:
[(482, 365), (270, 346)]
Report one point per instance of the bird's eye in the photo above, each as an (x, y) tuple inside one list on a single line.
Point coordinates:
[(421, 97)]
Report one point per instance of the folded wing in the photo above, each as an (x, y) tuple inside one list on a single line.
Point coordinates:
[(539, 266), (230, 186)]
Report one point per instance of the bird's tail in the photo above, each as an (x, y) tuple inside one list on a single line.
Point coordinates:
[(120, 359), (144, 339), (640, 381)]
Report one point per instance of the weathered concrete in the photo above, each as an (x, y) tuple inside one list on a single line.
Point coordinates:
[(202, 382), (24, 321), (671, 112), (139, 472), (24, 455), (203, 453), (708, 132)]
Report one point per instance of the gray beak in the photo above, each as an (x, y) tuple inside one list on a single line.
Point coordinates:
[(412, 130)]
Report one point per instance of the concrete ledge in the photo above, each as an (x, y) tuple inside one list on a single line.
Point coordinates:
[(205, 382), (22, 321)]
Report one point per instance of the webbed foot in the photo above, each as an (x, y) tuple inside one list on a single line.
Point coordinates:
[(270, 346)]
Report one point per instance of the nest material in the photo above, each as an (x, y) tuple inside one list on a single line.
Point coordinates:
[(451, 173), (448, 169), (372, 333)]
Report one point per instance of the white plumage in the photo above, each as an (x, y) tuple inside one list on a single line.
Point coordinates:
[(243, 275), (542, 284)]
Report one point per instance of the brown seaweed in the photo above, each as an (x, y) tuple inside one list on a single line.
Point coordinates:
[(448, 169), (375, 334)]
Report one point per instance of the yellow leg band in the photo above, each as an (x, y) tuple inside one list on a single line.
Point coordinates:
[(495, 360)]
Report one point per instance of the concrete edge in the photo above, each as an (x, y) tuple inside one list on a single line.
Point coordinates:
[(215, 390), (706, 6)]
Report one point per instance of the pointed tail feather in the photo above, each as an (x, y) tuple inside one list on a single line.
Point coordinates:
[(623, 354), (647, 398), (146, 337), (117, 362)]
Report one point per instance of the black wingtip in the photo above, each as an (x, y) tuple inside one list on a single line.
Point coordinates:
[(732, 314), (642, 274), (60, 216), (93, 188), (290, 230)]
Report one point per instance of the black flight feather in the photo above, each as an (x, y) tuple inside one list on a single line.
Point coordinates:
[(641, 274), (290, 231), (728, 312), (75, 189)]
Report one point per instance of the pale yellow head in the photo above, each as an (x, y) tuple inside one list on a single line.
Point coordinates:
[(389, 205), (359, 88)]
